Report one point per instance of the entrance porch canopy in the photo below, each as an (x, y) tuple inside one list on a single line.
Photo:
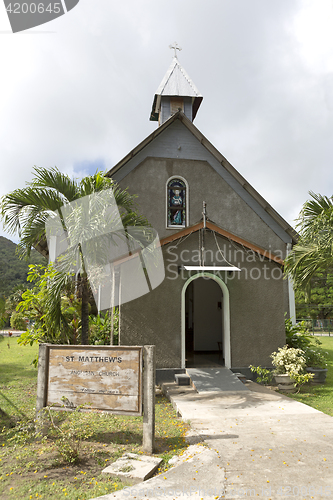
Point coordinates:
[(222, 232)]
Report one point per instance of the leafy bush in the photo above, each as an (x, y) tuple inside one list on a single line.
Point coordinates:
[(291, 361), (263, 374), (67, 329), (288, 360), (316, 358), (60, 326), (100, 329), (17, 321), (298, 337)]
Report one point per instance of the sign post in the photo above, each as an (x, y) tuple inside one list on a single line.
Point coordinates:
[(149, 398)]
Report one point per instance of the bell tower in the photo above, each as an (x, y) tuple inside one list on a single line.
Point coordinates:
[(176, 93)]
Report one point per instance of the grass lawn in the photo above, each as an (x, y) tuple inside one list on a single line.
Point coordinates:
[(320, 396), (31, 468)]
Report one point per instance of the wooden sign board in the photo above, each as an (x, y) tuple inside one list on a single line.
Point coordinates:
[(107, 378)]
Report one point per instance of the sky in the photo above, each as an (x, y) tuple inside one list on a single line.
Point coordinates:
[(77, 92)]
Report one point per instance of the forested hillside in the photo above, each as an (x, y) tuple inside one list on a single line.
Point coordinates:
[(13, 271)]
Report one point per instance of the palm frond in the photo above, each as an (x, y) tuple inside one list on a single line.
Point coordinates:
[(307, 259), (133, 219), (316, 216), (124, 199), (53, 179), (18, 207), (94, 184)]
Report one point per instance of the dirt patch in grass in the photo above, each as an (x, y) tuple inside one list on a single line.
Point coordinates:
[(35, 469)]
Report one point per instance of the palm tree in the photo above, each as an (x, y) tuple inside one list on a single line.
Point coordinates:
[(27, 211), (314, 251)]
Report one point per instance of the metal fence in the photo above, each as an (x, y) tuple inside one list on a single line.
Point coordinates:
[(318, 326)]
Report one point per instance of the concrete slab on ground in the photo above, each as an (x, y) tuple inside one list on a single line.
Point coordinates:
[(133, 468), (179, 482)]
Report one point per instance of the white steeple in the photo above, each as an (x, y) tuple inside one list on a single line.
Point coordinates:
[(176, 92)]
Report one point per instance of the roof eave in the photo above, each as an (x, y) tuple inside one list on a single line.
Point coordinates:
[(143, 144)]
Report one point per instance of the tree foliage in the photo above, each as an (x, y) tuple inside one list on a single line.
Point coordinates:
[(3, 315), (13, 270), (18, 321), (314, 251), (100, 328), (318, 304), (27, 210), (35, 305), (298, 337)]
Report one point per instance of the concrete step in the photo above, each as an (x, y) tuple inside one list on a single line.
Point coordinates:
[(215, 379), (182, 379)]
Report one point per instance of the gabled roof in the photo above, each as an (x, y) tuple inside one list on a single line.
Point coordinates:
[(213, 227), (176, 82), (220, 159)]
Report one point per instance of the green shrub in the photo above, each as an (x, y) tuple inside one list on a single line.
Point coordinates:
[(297, 337), (18, 322), (264, 376), (316, 358), (100, 329)]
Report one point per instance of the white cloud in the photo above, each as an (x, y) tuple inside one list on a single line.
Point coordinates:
[(77, 92), (313, 31)]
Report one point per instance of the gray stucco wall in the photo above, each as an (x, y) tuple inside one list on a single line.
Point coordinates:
[(256, 313), (224, 206), (177, 142), (256, 308), (155, 319)]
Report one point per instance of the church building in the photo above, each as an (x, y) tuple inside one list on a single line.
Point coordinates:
[(224, 296)]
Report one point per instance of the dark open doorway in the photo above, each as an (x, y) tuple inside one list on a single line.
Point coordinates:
[(203, 323)]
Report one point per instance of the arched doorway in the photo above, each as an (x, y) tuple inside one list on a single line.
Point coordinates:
[(207, 298)]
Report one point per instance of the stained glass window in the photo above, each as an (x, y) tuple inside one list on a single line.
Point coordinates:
[(176, 203)]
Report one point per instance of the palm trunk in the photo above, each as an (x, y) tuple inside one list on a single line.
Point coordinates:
[(84, 310)]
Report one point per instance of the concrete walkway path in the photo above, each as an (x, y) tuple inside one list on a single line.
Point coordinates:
[(259, 444)]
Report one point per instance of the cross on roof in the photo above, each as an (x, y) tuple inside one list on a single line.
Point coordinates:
[(175, 47)]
